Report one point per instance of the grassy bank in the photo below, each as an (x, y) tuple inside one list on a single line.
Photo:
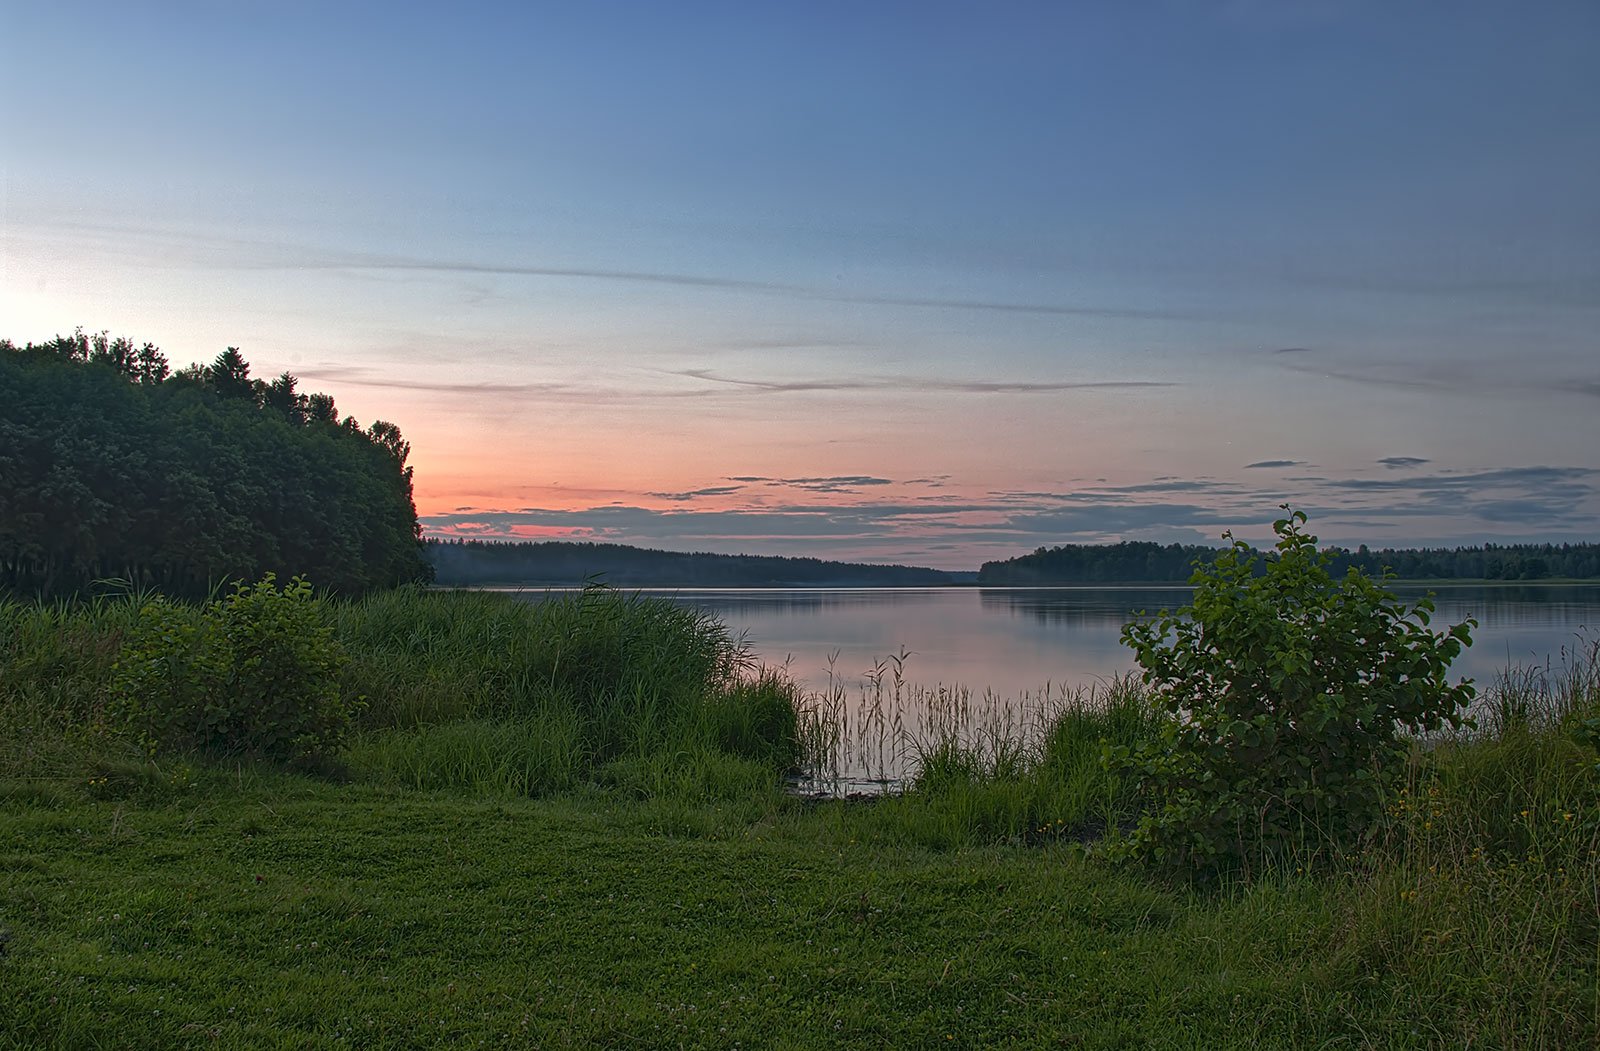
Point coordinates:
[(451, 689), (563, 824)]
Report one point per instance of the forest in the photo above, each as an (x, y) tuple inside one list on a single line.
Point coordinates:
[(468, 562), (115, 467), (1143, 561)]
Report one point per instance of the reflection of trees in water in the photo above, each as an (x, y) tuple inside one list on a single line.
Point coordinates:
[(792, 603), (1509, 606), (1519, 605), (1083, 606)]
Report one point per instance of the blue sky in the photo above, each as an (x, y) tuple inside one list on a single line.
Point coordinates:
[(921, 282)]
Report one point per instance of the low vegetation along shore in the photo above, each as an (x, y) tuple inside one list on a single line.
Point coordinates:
[(436, 819)]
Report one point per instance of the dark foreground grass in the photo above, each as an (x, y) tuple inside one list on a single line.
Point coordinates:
[(277, 911), (191, 908)]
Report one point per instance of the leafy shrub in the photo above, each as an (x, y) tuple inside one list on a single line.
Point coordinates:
[(1288, 698), (254, 673)]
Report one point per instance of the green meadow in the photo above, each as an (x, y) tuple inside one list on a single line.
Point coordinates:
[(566, 824)]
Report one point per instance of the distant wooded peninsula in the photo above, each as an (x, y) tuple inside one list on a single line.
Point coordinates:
[(1146, 562), (564, 563), (560, 562)]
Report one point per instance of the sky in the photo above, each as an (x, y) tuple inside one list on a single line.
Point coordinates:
[(930, 283)]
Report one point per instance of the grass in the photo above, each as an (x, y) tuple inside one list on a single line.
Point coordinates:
[(565, 826), (258, 909)]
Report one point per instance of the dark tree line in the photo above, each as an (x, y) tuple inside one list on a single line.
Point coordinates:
[(1145, 562), (1489, 562), (113, 466), (562, 562), (1133, 560)]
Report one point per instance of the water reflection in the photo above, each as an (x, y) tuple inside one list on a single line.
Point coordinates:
[(1080, 606), (1017, 641)]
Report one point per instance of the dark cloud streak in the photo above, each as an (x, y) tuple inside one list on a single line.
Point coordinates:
[(695, 494)]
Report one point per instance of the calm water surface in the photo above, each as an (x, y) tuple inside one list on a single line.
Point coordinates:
[(1017, 640)]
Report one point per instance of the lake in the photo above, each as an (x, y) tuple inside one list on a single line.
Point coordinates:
[(1019, 645), (1015, 640)]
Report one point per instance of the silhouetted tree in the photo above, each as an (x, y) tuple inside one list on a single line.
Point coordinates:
[(229, 375)]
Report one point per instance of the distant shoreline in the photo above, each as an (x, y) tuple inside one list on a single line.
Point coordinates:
[(624, 585)]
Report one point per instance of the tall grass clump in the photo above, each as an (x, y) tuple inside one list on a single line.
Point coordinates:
[(546, 692), (56, 660), (1038, 781), (429, 656)]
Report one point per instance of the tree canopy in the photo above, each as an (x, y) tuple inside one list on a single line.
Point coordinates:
[(113, 466)]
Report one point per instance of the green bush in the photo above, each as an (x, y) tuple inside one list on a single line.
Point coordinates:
[(1289, 697), (256, 673)]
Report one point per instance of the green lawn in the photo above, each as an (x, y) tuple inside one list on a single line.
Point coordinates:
[(270, 910)]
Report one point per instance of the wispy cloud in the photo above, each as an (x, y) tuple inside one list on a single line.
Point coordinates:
[(365, 377), (1480, 379), (908, 383), (1001, 307), (777, 288), (1390, 375), (1396, 463), (1474, 480), (799, 342), (1274, 463), (1551, 498), (711, 384), (245, 253)]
